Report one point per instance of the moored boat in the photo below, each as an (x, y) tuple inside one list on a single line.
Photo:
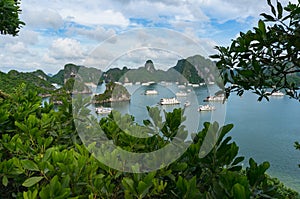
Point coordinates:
[(169, 101), (187, 103), (181, 94), (103, 110), (151, 92), (278, 94), (206, 107), (216, 98)]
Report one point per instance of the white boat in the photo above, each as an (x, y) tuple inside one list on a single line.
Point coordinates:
[(128, 84), (206, 107), (181, 94), (169, 101), (278, 94), (181, 86), (217, 98), (145, 84), (151, 92), (187, 103), (103, 110)]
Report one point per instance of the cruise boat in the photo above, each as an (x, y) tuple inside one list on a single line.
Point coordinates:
[(128, 84), (278, 94), (151, 92), (145, 84), (206, 107), (103, 110), (217, 98), (169, 101), (181, 94), (187, 103)]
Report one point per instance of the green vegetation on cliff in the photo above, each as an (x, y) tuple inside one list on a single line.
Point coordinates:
[(188, 71), (191, 70), (113, 93), (11, 80), (58, 78)]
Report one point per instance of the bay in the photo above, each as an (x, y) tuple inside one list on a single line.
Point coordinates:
[(265, 131)]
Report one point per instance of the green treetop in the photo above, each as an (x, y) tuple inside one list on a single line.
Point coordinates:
[(265, 57), (9, 17)]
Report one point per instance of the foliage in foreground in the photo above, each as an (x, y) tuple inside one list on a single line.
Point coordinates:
[(266, 57), (42, 157), (9, 17)]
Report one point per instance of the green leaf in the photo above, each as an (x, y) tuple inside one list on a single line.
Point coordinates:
[(239, 191), (279, 9), (129, 185), (238, 160), (31, 181), (21, 126), (268, 17), (272, 7), (143, 188), (30, 165), (30, 195), (262, 26), (4, 181)]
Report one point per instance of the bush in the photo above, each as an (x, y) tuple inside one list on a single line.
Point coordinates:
[(41, 156)]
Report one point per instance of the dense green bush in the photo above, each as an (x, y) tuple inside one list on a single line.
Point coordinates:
[(41, 156)]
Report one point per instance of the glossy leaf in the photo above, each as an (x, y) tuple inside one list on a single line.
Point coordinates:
[(31, 181)]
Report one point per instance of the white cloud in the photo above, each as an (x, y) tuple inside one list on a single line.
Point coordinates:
[(133, 48), (66, 49), (98, 34), (41, 18), (95, 17), (18, 47), (43, 41)]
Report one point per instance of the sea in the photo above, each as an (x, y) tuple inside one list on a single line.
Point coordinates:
[(265, 130)]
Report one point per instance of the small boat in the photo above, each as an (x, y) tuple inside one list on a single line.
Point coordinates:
[(187, 103), (217, 98), (169, 101), (145, 84), (151, 92), (127, 84), (103, 110), (206, 107), (278, 94), (181, 94)]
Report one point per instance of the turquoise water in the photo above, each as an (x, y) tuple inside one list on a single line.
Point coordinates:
[(265, 131)]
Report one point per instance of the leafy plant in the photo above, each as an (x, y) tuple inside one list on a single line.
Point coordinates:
[(41, 156)]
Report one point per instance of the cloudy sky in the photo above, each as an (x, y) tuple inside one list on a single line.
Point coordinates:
[(123, 32)]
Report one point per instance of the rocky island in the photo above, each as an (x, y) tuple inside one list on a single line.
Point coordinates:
[(113, 93)]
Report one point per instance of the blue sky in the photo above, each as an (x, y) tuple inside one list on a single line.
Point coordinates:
[(60, 32)]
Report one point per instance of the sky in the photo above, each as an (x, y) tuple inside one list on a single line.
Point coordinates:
[(117, 33)]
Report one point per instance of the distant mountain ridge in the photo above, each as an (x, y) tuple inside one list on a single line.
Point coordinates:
[(191, 70)]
